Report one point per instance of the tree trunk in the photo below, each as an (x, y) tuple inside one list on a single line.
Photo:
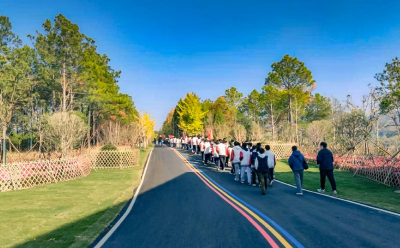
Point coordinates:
[(272, 122), (4, 144), (88, 133), (333, 119), (94, 129), (297, 131), (116, 133), (71, 97), (40, 140), (64, 86), (31, 126), (53, 107), (377, 135), (290, 109), (109, 132)]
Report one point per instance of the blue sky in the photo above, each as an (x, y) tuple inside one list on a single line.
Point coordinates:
[(168, 48)]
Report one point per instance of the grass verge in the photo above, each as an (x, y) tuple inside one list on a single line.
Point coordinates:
[(350, 187), (69, 213)]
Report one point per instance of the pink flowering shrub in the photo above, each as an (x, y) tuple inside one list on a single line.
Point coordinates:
[(31, 174), (381, 169)]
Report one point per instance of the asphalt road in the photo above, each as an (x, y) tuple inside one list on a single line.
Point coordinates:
[(176, 208)]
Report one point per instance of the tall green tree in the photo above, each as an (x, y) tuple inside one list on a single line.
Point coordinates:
[(234, 99), (319, 108), (294, 78), (61, 49), (272, 98), (62, 72), (17, 73), (221, 111), (253, 105), (389, 91)]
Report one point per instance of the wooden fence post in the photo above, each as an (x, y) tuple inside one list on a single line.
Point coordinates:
[(11, 177), (4, 144)]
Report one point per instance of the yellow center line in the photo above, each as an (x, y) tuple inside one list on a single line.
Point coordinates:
[(265, 224)]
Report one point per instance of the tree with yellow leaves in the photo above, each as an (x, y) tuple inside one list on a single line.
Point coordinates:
[(146, 127), (191, 114)]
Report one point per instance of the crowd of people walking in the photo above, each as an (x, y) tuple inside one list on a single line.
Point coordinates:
[(253, 165)]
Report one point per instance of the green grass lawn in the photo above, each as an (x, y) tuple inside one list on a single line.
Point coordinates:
[(69, 213), (353, 188)]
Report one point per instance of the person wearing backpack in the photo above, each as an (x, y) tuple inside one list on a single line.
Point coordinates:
[(298, 163), (261, 165), (271, 163), (228, 158), (254, 154), (325, 162)]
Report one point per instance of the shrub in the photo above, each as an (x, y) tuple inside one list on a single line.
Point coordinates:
[(109, 147), (63, 130)]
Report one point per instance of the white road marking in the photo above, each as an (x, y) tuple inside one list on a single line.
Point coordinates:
[(345, 200), (128, 210)]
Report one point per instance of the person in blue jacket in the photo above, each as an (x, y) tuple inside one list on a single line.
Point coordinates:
[(296, 161)]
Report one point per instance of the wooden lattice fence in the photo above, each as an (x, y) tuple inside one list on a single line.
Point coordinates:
[(29, 174), (282, 151), (114, 159), (15, 176), (384, 170), (33, 155)]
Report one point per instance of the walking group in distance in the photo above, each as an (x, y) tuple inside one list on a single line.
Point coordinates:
[(254, 165)]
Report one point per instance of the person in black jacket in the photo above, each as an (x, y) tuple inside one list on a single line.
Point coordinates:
[(261, 165), (254, 175), (325, 162)]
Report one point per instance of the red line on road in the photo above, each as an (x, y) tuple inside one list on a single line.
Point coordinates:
[(254, 223)]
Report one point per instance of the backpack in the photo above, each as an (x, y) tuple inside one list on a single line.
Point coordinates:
[(262, 164), (304, 163)]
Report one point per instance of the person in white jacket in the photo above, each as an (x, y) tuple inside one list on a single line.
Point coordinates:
[(222, 151), (245, 164), (236, 157), (215, 153), (194, 144), (271, 163), (201, 148), (207, 151)]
